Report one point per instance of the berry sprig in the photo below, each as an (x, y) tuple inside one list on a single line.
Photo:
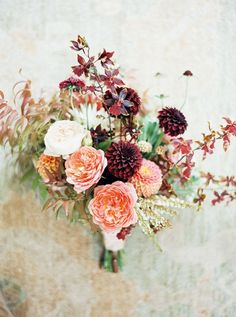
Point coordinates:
[(124, 232)]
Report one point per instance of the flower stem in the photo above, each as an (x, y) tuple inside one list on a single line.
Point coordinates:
[(87, 118), (185, 94)]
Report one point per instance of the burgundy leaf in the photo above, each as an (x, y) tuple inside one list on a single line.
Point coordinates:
[(78, 70), (230, 127), (81, 60), (118, 82)]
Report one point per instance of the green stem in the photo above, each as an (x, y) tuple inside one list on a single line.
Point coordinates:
[(87, 118), (112, 261)]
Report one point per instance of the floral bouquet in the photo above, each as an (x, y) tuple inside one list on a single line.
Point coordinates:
[(95, 154)]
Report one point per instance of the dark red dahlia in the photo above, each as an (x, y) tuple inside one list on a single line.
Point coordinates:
[(124, 159), (123, 101), (72, 82), (172, 121)]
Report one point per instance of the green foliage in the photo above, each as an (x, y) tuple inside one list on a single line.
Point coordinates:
[(33, 180), (107, 260), (186, 189), (151, 132), (104, 145)]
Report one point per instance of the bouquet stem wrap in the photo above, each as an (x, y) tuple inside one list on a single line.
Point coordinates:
[(113, 251)]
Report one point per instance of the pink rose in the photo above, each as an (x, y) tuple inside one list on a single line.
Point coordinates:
[(84, 168), (113, 205)]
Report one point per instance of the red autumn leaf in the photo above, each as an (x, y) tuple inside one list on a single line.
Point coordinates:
[(106, 55), (209, 177), (219, 197), (117, 109), (74, 46), (116, 72), (229, 180), (182, 146), (78, 70), (226, 142), (187, 166), (207, 148), (81, 60), (230, 127), (118, 82), (90, 88)]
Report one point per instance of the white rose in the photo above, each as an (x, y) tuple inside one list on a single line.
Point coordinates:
[(63, 138)]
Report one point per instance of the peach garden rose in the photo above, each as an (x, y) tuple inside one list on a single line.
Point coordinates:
[(113, 205), (84, 168)]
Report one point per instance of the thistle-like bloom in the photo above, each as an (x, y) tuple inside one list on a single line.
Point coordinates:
[(172, 121), (124, 159), (48, 167), (148, 179)]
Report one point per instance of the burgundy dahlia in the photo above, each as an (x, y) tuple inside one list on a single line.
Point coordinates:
[(124, 159), (123, 101), (73, 83), (172, 121)]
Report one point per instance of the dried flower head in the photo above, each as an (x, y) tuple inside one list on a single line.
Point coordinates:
[(124, 159), (172, 121)]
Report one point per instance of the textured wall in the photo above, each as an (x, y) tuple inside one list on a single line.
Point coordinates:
[(55, 263)]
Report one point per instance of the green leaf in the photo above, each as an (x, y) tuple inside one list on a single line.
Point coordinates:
[(151, 132), (104, 145), (28, 175)]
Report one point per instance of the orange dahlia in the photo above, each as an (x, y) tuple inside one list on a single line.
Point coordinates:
[(148, 179), (48, 167)]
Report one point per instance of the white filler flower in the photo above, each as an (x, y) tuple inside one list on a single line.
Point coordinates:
[(63, 138)]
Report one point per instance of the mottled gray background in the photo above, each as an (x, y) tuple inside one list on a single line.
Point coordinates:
[(55, 263)]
